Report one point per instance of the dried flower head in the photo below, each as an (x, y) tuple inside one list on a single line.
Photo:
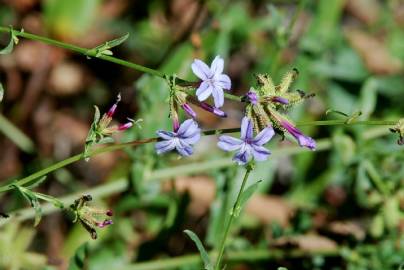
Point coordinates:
[(399, 129), (101, 131), (90, 217), (268, 101)]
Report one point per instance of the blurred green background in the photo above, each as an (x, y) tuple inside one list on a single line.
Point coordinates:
[(340, 207)]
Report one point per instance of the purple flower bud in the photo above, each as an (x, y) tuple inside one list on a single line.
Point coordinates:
[(280, 100), (188, 110), (252, 97), (104, 223), (210, 108), (302, 139), (111, 111), (125, 126), (109, 213)]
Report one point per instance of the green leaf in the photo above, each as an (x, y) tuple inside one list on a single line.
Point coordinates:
[(104, 49), (33, 201), (51, 199), (245, 196), (78, 261), (1, 92), (9, 48), (36, 182), (204, 255)]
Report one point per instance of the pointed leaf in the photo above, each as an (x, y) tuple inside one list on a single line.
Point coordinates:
[(78, 261), (117, 41), (204, 255), (51, 199), (1, 92), (33, 201), (36, 182), (9, 48), (246, 195)]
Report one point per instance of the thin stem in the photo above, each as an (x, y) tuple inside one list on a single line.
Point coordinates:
[(84, 51), (235, 256), (233, 214), (115, 147), (93, 53), (120, 185)]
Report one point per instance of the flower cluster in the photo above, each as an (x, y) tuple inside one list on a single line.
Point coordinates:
[(90, 217), (263, 113), (100, 130), (268, 101)]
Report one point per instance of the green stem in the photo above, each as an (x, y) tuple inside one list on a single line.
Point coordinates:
[(115, 147), (233, 214), (235, 256), (93, 53), (121, 185), (84, 51)]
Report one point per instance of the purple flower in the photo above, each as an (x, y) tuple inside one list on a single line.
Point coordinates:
[(248, 147), (188, 110), (252, 97), (213, 81), (280, 100), (300, 137), (181, 140)]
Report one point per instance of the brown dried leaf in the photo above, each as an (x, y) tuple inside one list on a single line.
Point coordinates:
[(202, 191), (367, 11), (269, 209), (346, 228), (308, 242), (373, 52)]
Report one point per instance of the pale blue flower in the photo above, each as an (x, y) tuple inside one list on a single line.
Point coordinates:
[(181, 140), (248, 147), (213, 80)]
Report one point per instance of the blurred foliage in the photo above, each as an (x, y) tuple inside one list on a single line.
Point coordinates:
[(350, 56)]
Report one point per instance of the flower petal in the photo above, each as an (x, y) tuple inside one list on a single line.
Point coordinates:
[(264, 136), (246, 129), (184, 150), (223, 81), (192, 139), (228, 143), (217, 65), (204, 91), (166, 135), (260, 153), (201, 70), (307, 142), (241, 157), (218, 96), (188, 129), (164, 146)]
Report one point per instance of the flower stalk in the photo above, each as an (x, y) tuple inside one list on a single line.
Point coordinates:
[(233, 212)]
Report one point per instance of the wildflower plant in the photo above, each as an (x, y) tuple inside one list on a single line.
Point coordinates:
[(265, 109)]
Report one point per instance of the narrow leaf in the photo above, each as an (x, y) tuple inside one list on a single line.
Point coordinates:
[(1, 92), (33, 201), (36, 182), (9, 48), (117, 41), (245, 196), (78, 261), (204, 255), (51, 199)]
